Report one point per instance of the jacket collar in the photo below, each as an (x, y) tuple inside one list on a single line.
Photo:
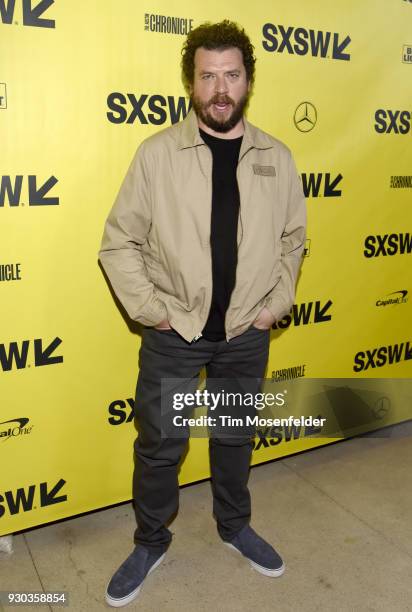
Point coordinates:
[(187, 133)]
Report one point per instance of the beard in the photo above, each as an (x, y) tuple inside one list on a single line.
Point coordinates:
[(222, 124)]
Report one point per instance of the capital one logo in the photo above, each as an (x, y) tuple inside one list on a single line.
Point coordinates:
[(394, 298), (32, 13), (14, 428), (300, 41)]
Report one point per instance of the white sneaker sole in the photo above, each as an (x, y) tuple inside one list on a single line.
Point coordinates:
[(272, 573), (118, 603)]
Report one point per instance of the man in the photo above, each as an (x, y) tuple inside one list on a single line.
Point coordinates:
[(203, 246)]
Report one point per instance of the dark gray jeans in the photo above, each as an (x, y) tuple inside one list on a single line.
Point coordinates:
[(165, 354)]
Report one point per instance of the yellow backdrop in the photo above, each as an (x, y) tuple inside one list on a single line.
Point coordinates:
[(81, 85)]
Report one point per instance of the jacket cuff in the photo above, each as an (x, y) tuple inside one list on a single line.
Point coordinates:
[(277, 307)]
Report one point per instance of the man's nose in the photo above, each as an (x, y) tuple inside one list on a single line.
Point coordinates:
[(221, 85)]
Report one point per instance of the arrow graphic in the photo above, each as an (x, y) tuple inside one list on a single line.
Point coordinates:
[(330, 191), (42, 357), (31, 15), (36, 196), (320, 315), (338, 48), (47, 498)]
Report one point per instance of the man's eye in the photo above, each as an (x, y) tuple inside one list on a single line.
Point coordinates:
[(206, 76), (234, 75)]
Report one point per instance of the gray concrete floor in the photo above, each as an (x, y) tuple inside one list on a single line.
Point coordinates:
[(341, 517)]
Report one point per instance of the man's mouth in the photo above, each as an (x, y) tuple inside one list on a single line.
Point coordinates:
[(221, 106)]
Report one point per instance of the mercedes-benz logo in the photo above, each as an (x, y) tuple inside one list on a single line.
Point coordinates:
[(305, 117), (381, 407)]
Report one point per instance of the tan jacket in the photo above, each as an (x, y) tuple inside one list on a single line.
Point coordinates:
[(156, 244)]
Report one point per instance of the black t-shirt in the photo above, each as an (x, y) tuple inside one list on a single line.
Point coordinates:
[(223, 225)]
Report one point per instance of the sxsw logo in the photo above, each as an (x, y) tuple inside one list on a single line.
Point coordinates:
[(32, 497), (272, 436), (378, 357), (321, 185), (304, 314), (388, 244), (396, 121), (3, 95), (301, 41), (118, 409), (36, 190), (32, 13), (14, 355), (401, 182), (407, 54), (155, 109)]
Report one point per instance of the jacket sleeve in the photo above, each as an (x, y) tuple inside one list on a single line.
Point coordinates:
[(280, 300), (125, 231)]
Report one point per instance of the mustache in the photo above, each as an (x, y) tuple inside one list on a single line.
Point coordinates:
[(220, 100)]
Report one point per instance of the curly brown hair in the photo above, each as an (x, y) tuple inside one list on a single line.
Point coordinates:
[(211, 36)]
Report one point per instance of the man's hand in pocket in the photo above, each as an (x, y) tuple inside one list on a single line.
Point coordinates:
[(163, 325), (264, 320)]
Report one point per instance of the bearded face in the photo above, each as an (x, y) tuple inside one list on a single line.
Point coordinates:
[(220, 89)]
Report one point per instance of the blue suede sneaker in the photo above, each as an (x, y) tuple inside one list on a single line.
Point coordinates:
[(262, 556), (126, 583)]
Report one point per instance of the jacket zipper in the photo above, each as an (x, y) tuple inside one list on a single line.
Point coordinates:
[(209, 182), (241, 228)]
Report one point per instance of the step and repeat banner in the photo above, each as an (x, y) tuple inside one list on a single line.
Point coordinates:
[(81, 85)]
